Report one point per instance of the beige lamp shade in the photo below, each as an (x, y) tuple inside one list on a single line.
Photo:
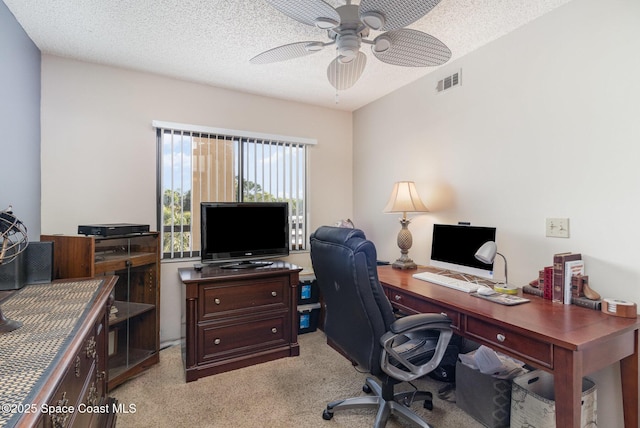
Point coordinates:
[(404, 199)]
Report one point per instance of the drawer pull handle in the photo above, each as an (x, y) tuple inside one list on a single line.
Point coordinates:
[(274, 294), (217, 341), (77, 366), (90, 349), (216, 301), (274, 330), (397, 297), (444, 314), (501, 338), (59, 419), (92, 396)]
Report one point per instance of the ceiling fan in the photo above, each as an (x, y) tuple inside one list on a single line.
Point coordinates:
[(349, 26)]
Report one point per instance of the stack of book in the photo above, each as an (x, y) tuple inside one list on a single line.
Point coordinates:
[(563, 282)]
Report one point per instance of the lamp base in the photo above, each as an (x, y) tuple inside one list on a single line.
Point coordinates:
[(404, 264), (7, 325), (404, 243)]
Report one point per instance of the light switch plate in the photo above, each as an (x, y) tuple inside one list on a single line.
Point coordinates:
[(557, 227)]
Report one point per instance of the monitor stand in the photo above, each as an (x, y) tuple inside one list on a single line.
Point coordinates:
[(246, 265)]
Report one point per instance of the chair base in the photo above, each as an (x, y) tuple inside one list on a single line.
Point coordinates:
[(399, 406)]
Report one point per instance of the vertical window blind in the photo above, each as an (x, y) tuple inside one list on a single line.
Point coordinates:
[(198, 164)]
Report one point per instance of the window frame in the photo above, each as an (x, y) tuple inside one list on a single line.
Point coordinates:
[(242, 137)]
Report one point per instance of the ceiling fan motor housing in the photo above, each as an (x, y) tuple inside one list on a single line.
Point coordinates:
[(349, 33), (348, 45)]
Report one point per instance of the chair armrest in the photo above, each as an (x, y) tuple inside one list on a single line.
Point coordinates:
[(414, 324), (411, 322)]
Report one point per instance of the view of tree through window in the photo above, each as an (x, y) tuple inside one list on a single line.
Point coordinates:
[(200, 167)]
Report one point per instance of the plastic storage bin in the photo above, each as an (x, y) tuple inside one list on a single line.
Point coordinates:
[(308, 290), (308, 317)]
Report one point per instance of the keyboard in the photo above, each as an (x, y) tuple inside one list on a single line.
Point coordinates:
[(447, 281)]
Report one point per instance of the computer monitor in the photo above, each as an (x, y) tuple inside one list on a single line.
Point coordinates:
[(454, 246)]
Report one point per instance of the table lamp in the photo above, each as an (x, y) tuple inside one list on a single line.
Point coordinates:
[(404, 199), (487, 253)]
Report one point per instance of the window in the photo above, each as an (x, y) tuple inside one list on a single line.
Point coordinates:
[(197, 164)]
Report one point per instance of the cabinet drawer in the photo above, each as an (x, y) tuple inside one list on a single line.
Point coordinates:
[(407, 303), (221, 340), (242, 296), (519, 345), (75, 386)]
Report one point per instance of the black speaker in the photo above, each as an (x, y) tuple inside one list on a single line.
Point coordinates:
[(33, 266)]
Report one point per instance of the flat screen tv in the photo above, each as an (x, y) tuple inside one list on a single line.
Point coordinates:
[(242, 234), (454, 247)]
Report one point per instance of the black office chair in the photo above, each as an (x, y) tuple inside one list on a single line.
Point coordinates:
[(360, 323)]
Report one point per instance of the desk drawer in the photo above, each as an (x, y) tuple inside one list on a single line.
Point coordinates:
[(407, 303), (236, 297), (221, 340), (504, 339)]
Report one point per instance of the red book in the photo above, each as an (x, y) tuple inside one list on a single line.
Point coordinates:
[(558, 273), (548, 283)]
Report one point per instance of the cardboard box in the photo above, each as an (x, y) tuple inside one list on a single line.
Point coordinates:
[(308, 316), (485, 398), (533, 405)]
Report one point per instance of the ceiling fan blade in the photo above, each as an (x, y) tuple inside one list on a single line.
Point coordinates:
[(395, 13), (410, 48), (343, 75), (285, 52), (307, 11)]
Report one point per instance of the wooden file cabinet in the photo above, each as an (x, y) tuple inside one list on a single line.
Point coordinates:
[(238, 317)]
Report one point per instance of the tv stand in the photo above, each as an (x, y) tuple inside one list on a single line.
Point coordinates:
[(238, 317), (247, 264)]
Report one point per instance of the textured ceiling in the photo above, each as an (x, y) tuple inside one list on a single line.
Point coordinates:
[(212, 41)]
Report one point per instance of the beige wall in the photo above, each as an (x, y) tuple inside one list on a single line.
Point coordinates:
[(99, 149), (545, 124)]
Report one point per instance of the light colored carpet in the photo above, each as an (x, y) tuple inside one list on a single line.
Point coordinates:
[(289, 392)]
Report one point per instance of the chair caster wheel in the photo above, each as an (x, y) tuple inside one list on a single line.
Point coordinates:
[(428, 405), (366, 389), (326, 415)]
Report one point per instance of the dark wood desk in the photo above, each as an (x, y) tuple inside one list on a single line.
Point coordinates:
[(565, 340)]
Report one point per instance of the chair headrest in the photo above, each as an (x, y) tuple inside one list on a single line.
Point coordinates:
[(337, 235)]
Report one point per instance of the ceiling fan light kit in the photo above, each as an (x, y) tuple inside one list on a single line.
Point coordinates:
[(348, 27), (373, 20), (326, 23), (314, 46), (381, 44)]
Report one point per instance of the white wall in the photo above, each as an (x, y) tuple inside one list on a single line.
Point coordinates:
[(99, 150), (545, 124)]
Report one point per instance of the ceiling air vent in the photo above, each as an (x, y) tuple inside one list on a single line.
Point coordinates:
[(450, 81)]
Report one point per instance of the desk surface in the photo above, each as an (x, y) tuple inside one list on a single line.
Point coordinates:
[(566, 340), (569, 326)]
